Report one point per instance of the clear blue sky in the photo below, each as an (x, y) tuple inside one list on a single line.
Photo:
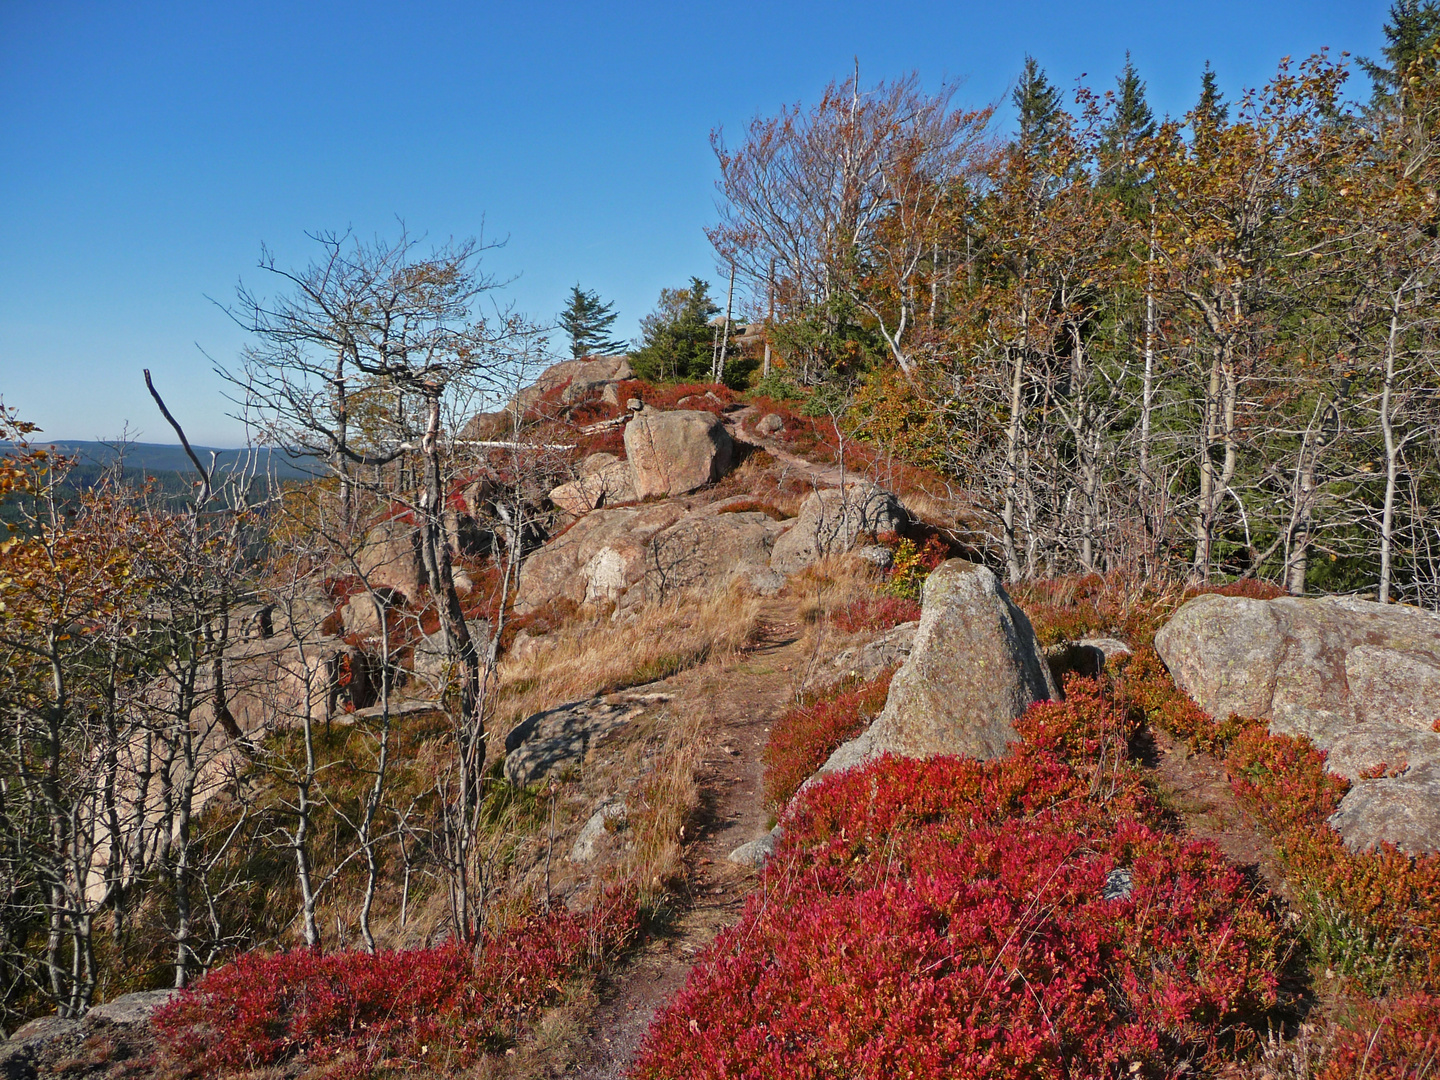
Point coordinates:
[(148, 150)]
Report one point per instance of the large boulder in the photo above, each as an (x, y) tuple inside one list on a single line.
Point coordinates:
[(584, 377), (1359, 679), (974, 668), (632, 554), (675, 452), (600, 483), (390, 558), (834, 520)]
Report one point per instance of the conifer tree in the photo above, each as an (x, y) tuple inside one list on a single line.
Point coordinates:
[(1413, 30), (1038, 106), (1131, 123), (1211, 113), (587, 320)]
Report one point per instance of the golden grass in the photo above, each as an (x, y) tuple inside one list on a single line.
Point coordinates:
[(600, 655), (669, 796)]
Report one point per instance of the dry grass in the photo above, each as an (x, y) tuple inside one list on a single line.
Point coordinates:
[(832, 583), (599, 655), (669, 796)]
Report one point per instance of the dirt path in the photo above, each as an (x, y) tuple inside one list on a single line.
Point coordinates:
[(743, 698), (819, 474), (1196, 788)]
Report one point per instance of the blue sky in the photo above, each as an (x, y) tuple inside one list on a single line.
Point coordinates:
[(147, 151)]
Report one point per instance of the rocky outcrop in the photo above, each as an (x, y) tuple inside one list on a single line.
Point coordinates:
[(632, 554), (57, 1046), (604, 480), (390, 558), (770, 424), (1359, 679), (834, 520), (552, 740), (867, 660), (430, 655), (1086, 657), (974, 668), (673, 453)]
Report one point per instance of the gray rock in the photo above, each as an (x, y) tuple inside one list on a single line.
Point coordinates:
[(877, 555), (634, 404), (770, 424), (599, 825), (764, 581), (674, 452), (552, 740), (867, 660), (430, 656), (1086, 657), (834, 520), (131, 1008), (1359, 679), (1118, 885), (756, 852), (1368, 746), (1402, 810), (974, 668), (43, 1027), (1313, 667)]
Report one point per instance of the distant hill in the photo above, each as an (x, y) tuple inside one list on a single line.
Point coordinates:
[(159, 459)]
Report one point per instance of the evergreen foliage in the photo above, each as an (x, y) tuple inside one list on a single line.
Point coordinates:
[(587, 320), (1412, 31), (1038, 106), (677, 340)]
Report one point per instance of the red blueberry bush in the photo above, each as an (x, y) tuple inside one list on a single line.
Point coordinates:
[(357, 1012), (872, 614), (1007, 919), (804, 737)]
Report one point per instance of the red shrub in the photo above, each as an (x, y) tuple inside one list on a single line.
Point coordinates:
[(804, 737), (948, 918), (1397, 1039), (875, 613), (390, 1009)]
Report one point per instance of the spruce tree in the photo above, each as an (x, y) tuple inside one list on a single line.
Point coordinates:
[(1412, 32), (587, 320), (678, 341), (1211, 113), (1131, 122), (1037, 104)]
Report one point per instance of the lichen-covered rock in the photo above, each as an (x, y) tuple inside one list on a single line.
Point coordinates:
[(675, 452), (1402, 810), (632, 554), (1086, 657), (390, 558), (605, 484), (770, 424), (1313, 667), (867, 660), (834, 520), (974, 668), (1361, 680), (552, 740)]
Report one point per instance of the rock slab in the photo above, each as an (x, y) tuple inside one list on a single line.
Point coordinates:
[(974, 668), (550, 741), (1361, 680), (834, 520)]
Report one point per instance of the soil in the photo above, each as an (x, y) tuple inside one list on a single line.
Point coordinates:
[(757, 688), (1196, 789)]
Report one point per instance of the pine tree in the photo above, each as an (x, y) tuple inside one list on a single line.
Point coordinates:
[(1412, 32), (1132, 121), (1210, 113), (1038, 106), (588, 323), (678, 341)]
